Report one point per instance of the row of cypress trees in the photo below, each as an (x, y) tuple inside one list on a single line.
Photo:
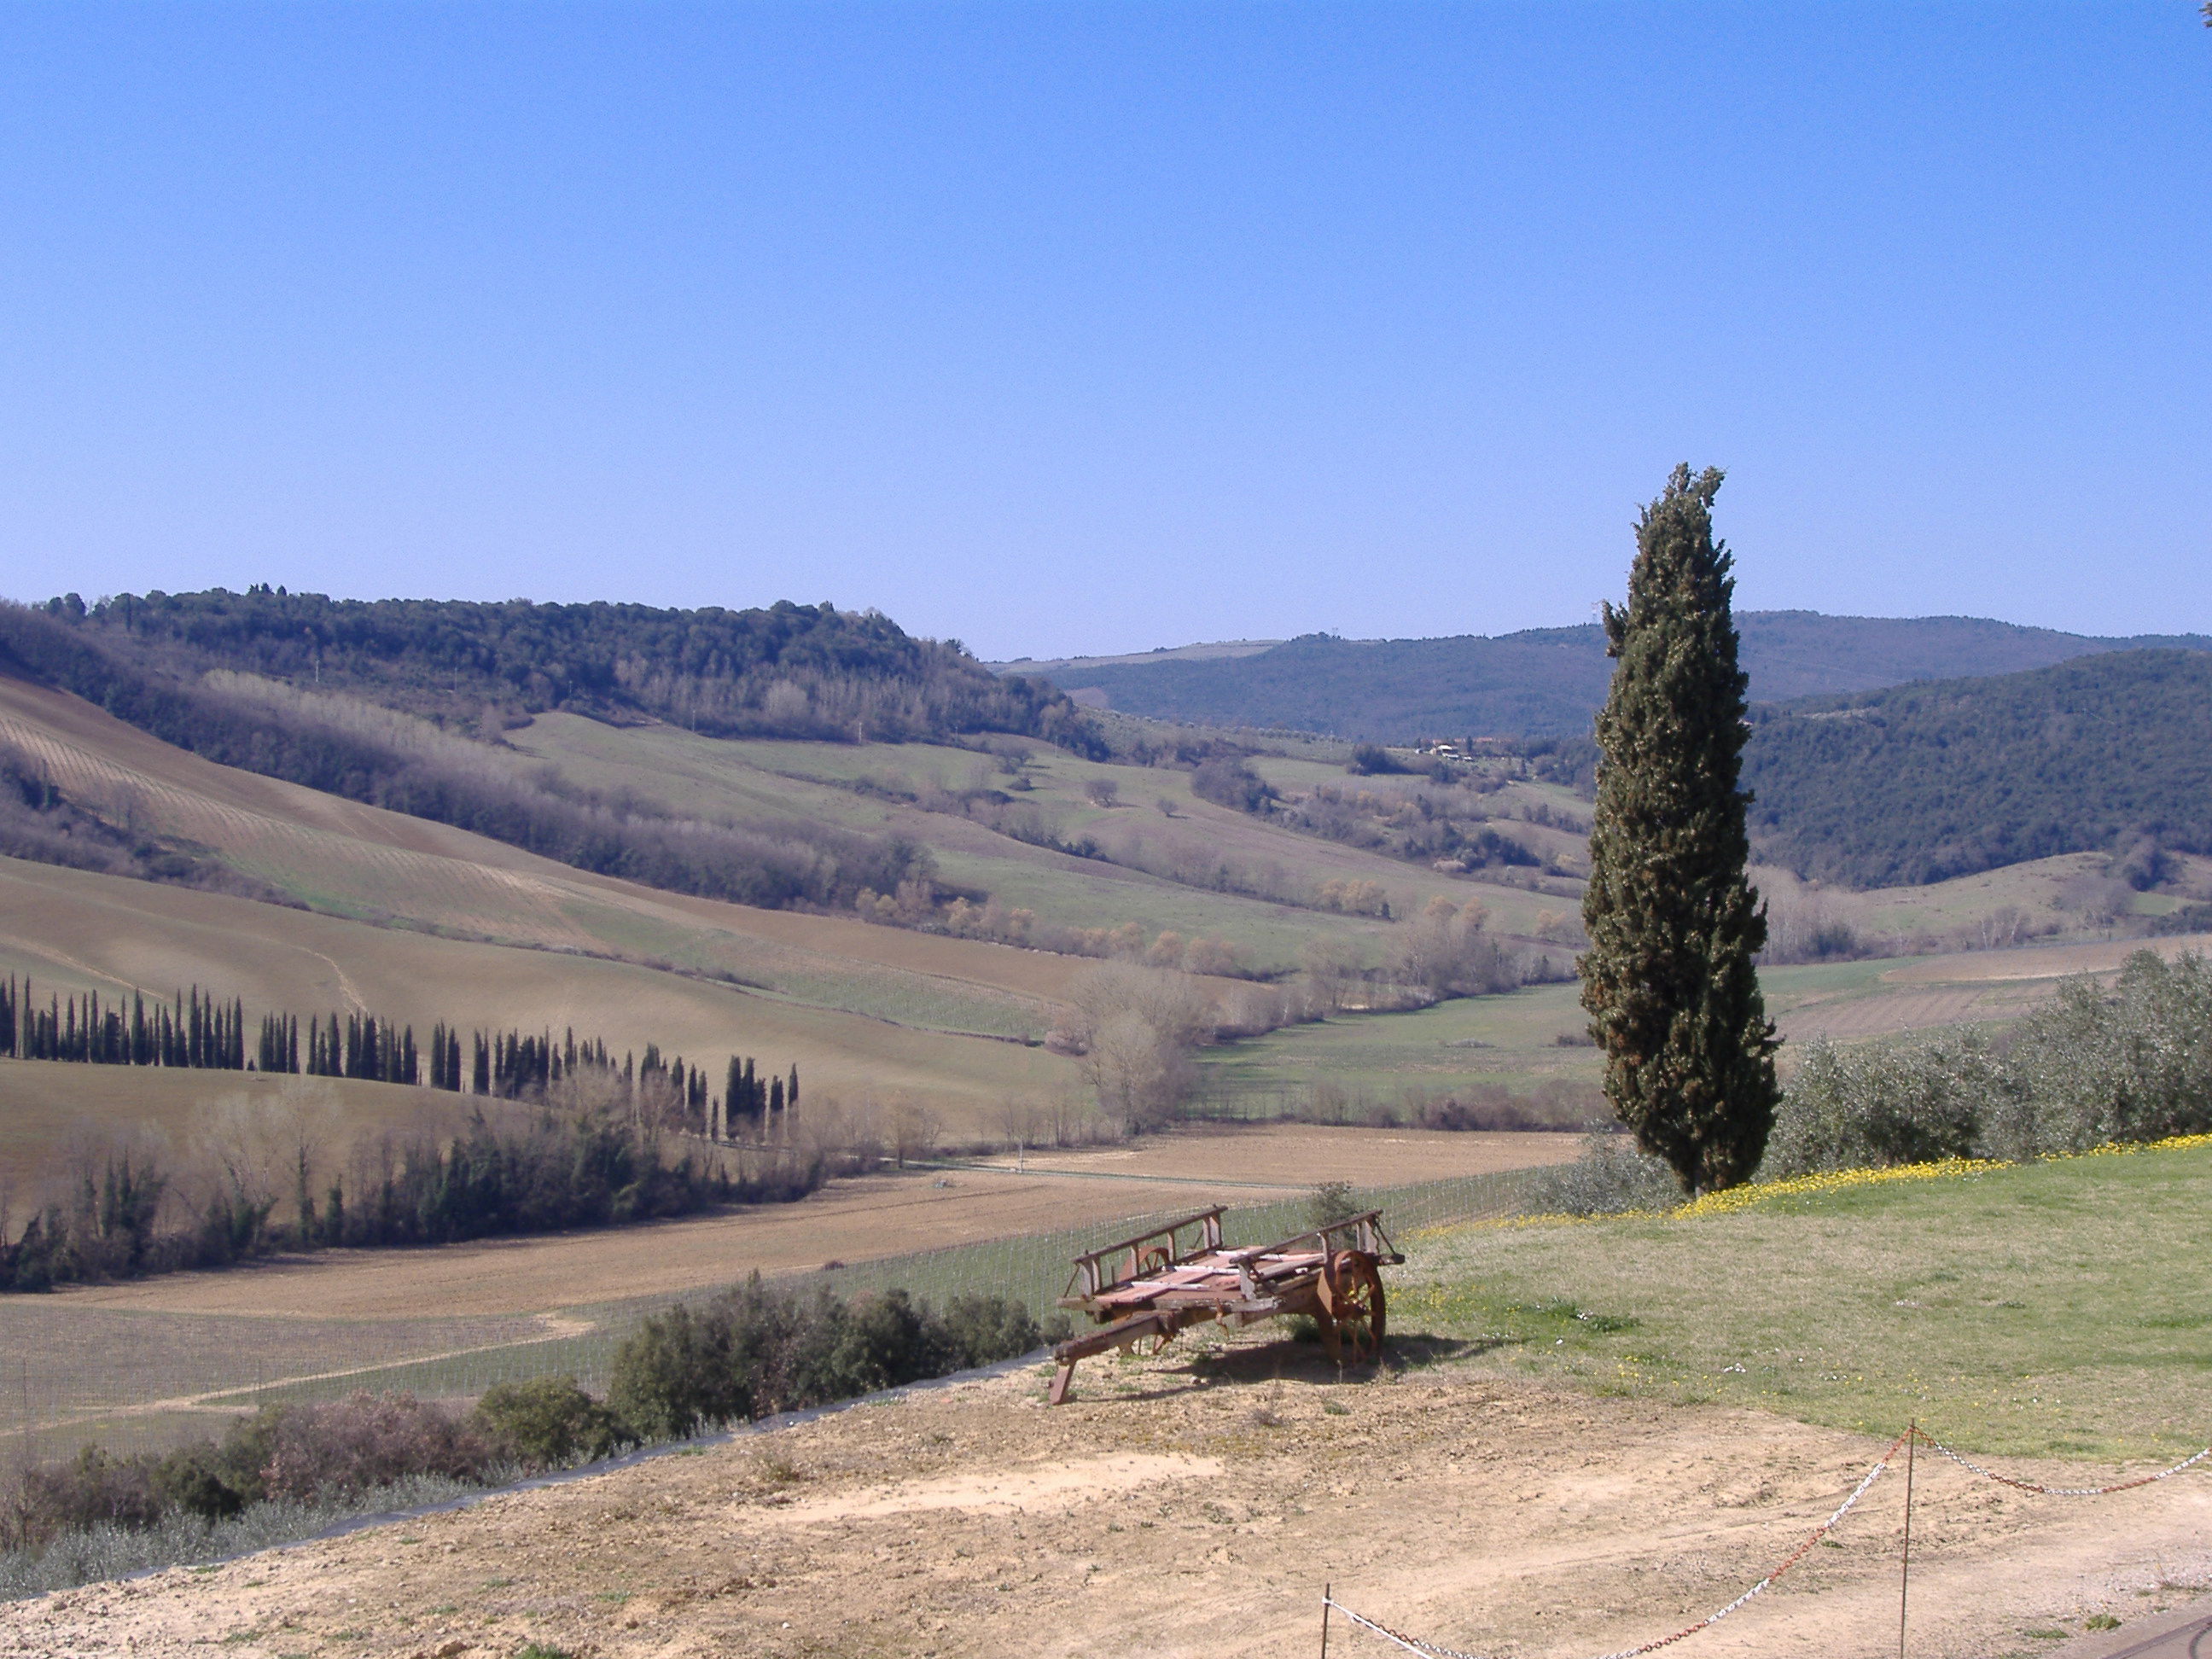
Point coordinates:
[(195, 1028), (192, 1030), (751, 1101)]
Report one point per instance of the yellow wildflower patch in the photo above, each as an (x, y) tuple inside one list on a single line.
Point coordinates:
[(1734, 1198)]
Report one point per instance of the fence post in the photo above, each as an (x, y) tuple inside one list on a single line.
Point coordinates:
[(1325, 1600), (1904, 1560)]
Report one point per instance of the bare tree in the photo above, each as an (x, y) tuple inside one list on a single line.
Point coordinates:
[(1137, 1028)]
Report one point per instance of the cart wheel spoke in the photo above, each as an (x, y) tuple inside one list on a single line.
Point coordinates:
[(1352, 1303)]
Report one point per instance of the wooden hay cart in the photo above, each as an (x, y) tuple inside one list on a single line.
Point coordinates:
[(1142, 1290)]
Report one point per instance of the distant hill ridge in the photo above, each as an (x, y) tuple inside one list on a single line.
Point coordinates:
[(1547, 682), (2110, 752), (809, 670)]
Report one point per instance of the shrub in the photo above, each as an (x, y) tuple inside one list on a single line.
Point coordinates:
[(366, 1440), (2132, 1064), (95, 1489), (760, 1349), (671, 1377), (1876, 1107), (1612, 1176), (290, 1453), (1228, 782), (2090, 1067), (546, 1423), (1331, 1202), (981, 1329), (886, 1340), (194, 1480)]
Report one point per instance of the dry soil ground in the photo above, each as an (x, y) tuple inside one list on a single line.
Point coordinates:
[(1192, 1505)]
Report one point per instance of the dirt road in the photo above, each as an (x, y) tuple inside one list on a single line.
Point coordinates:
[(1189, 1505)]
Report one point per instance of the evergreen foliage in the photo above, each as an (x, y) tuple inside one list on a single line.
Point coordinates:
[(1926, 782), (1670, 979), (593, 1157), (195, 1030)]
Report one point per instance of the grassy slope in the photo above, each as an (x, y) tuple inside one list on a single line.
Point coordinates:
[(74, 930), (811, 780), (1486, 1040), (2051, 1309), (43, 1106), (348, 859)]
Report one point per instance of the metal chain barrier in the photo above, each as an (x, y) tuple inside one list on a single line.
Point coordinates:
[(1936, 1445), (1414, 1644)]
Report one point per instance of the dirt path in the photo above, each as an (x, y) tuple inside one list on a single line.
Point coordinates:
[(1190, 1506)]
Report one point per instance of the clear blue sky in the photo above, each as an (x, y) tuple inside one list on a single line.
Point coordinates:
[(1064, 327)]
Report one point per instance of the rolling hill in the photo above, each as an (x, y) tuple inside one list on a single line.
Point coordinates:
[(1922, 783), (787, 671), (1545, 681), (143, 862)]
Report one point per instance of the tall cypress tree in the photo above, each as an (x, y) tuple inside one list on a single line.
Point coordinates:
[(1669, 980)]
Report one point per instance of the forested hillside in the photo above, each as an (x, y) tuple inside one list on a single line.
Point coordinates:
[(1549, 682), (148, 675), (792, 671), (1921, 783)]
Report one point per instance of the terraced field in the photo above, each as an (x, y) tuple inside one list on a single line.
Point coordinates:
[(69, 929), (860, 787), (343, 859)]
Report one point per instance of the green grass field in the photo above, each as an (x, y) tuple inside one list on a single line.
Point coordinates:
[(1512, 1040), (1509, 1040), (2057, 1309)]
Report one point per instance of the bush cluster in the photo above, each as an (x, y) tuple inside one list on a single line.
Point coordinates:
[(1612, 1176), (555, 1170), (753, 1352), (2090, 1067), (760, 1349), (339, 1447)]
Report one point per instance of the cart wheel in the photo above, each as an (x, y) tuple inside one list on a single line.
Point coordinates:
[(1352, 1307), (1154, 1260)]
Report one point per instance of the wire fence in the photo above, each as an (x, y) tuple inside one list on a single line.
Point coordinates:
[(128, 1379)]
